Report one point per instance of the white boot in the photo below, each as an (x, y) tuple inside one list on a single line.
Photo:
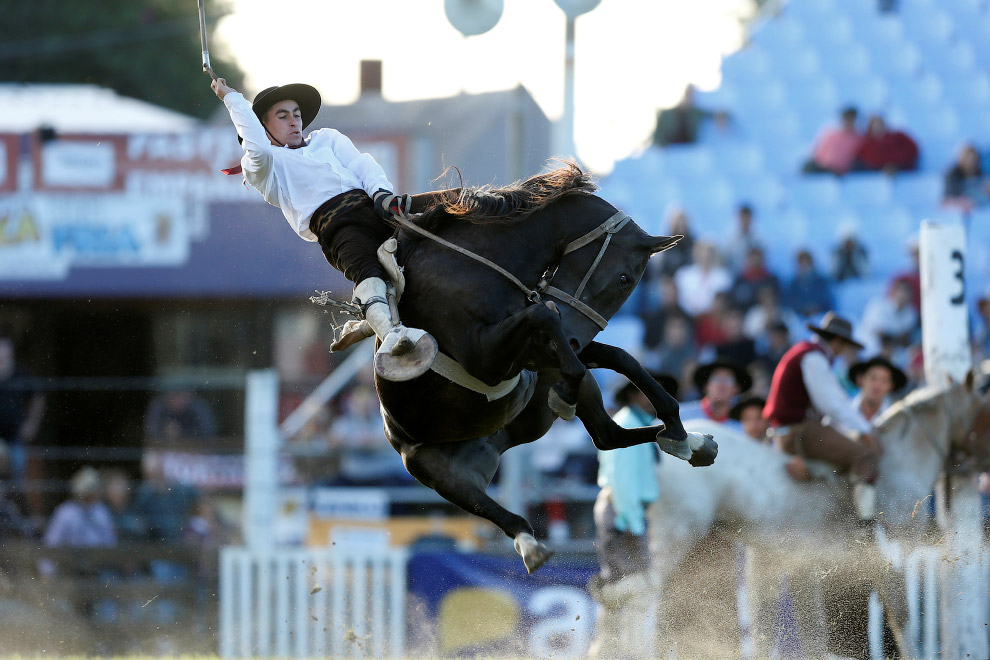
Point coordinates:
[(405, 353), (865, 500)]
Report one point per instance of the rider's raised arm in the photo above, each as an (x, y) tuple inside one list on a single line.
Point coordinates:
[(827, 395), (363, 166), (257, 146)]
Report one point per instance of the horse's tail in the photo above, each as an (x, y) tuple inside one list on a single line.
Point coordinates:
[(490, 204)]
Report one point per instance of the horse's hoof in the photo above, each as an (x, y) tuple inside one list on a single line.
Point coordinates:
[(560, 407), (407, 366), (534, 554), (704, 449)]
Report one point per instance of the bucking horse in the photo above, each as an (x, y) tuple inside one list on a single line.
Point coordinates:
[(514, 283)]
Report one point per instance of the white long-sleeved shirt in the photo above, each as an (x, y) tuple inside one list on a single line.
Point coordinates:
[(299, 181), (827, 396)]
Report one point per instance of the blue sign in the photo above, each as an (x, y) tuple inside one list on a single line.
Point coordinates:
[(480, 604)]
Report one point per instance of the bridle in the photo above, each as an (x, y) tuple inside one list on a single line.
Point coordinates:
[(611, 226)]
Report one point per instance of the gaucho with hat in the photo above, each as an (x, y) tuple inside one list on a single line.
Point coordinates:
[(718, 382), (334, 194), (803, 391)]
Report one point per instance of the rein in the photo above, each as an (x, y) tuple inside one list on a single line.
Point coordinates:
[(608, 228)]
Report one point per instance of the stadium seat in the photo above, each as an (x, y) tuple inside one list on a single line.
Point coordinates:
[(811, 10), (868, 93), (785, 154), (828, 34), (977, 34), (974, 124), (918, 92), (898, 60), (778, 35), (852, 61), (738, 160), (686, 162), (814, 192), (867, 191), (749, 65), (763, 191), (951, 61), (918, 191), (766, 96), (966, 91), (797, 64), (851, 296), (926, 25)]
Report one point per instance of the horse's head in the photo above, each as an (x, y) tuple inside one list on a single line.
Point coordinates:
[(603, 275)]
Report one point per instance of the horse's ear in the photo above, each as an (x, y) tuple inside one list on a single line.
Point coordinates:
[(661, 243)]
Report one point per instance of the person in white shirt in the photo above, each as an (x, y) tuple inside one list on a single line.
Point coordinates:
[(329, 192)]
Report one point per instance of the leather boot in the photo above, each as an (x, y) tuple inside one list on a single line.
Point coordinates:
[(405, 353)]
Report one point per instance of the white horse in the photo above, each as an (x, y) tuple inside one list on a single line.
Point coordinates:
[(748, 496)]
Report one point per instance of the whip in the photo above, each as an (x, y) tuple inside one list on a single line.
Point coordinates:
[(202, 38)]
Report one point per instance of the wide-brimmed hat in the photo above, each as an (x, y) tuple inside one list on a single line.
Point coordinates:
[(834, 326), (705, 371), (746, 402), (666, 381), (305, 95), (898, 377)]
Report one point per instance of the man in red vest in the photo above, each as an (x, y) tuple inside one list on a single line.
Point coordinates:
[(804, 390)]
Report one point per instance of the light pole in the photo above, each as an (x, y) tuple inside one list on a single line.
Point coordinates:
[(564, 142)]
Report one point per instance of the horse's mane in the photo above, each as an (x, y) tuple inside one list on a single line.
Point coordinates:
[(484, 204)]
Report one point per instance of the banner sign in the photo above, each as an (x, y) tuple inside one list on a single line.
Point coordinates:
[(486, 605), (216, 471)]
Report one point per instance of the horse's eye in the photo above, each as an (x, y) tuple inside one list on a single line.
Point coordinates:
[(625, 280)]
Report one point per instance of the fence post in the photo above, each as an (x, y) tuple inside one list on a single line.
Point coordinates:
[(261, 459), (945, 344)]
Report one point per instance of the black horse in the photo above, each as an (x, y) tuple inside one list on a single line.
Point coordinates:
[(575, 259)]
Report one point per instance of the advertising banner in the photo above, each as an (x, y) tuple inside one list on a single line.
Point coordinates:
[(486, 605)]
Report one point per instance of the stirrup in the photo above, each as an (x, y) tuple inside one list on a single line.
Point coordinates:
[(410, 363)]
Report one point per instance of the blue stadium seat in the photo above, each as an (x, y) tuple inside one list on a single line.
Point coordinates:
[(762, 190), (811, 10), (978, 251), (926, 25), (976, 33), (951, 61), (738, 160), (868, 93), (966, 91), (923, 91), (851, 296), (974, 124), (778, 35), (686, 162), (767, 96), (852, 61), (867, 191), (814, 192), (897, 60), (828, 34), (796, 64), (785, 154), (749, 65), (918, 191)]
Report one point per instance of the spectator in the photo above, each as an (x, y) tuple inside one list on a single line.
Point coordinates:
[(83, 520), (778, 341), (748, 412), (628, 483), (809, 293), (980, 332), (720, 129), (736, 346), (129, 525), (678, 224), (719, 382), (21, 408), (13, 524), (709, 326), (837, 147), (889, 320), (850, 259), (741, 239), (677, 351), (965, 185), (754, 277), (876, 378), (366, 458), (884, 150), (164, 506), (698, 282), (679, 124), (655, 318), (179, 414), (912, 276), (766, 313)]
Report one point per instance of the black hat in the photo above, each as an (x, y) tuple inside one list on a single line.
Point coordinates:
[(305, 95), (666, 381), (704, 372), (834, 326), (746, 402), (860, 368)]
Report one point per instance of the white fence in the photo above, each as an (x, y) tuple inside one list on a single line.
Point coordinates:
[(312, 602)]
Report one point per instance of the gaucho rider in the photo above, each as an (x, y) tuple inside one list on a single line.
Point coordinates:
[(804, 394), (331, 193)]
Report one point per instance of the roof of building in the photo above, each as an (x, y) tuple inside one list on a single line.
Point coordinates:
[(80, 108)]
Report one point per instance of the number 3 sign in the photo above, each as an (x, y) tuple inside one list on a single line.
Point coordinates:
[(944, 315)]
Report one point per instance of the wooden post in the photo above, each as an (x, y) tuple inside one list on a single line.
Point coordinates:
[(945, 344)]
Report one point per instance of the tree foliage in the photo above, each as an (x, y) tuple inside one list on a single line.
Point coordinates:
[(145, 49)]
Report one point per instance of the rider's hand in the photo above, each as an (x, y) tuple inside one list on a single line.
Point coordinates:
[(870, 441), (797, 469), (221, 88), (388, 204)]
